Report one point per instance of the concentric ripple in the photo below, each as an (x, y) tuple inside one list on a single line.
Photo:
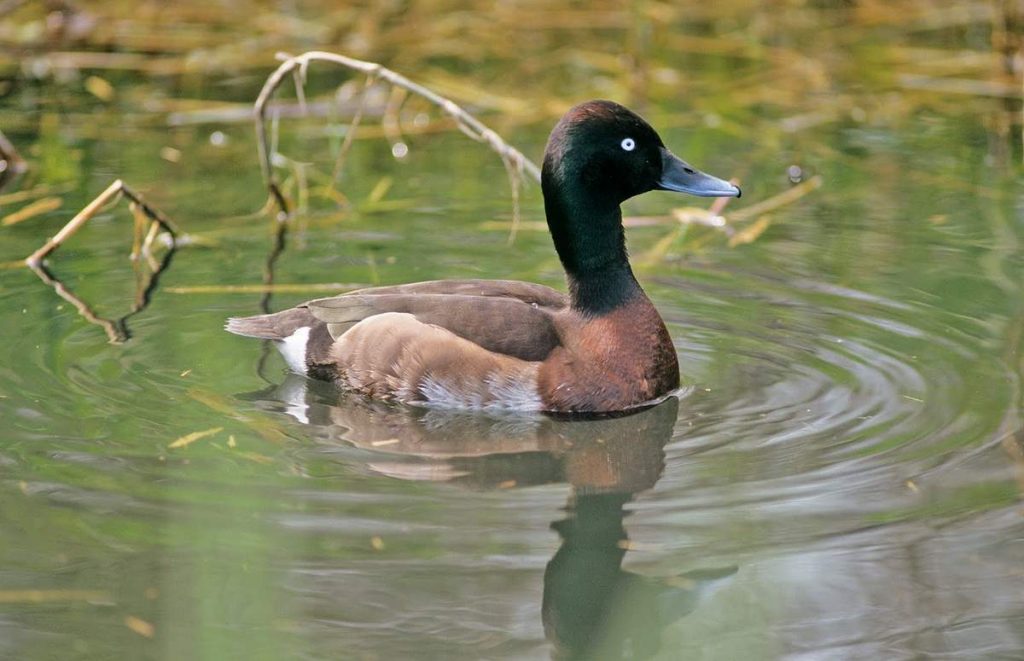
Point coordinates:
[(823, 390)]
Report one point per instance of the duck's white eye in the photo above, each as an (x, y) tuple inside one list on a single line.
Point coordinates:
[(628, 144)]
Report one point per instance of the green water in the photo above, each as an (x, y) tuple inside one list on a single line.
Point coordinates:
[(841, 478)]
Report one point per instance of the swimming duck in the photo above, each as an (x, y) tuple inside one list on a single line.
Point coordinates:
[(507, 345)]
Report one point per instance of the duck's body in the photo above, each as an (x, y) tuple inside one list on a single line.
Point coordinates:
[(487, 344), (499, 344)]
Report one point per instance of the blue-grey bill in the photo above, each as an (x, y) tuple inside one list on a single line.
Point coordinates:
[(677, 175)]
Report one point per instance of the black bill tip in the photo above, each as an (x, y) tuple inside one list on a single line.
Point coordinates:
[(677, 175)]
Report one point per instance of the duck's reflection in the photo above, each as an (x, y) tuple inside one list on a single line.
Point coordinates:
[(592, 609)]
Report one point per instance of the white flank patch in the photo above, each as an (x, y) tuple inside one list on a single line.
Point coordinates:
[(497, 392), (293, 348), (513, 394)]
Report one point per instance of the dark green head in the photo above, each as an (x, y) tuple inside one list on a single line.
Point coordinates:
[(599, 155), (611, 153)]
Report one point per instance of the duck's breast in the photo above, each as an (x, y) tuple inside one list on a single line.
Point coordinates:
[(610, 362)]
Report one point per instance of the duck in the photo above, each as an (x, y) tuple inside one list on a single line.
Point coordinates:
[(503, 345)]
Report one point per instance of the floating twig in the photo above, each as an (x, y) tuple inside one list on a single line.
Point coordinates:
[(751, 232), (140, 626), (784, 198), (514, 160), (189, 439), (31, 596), (265, 426), (31, 210), (38, 191)]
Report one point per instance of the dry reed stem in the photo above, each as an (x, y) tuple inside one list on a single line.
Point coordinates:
[(147, 243), (390, 123), (297, 66), (112, 193), (31, 210), (346, 144), (784, 198), (116, 330)]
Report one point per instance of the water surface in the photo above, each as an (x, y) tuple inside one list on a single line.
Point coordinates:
[(840, 478)]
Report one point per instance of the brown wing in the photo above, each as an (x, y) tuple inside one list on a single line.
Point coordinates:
[(508, 326), (527, 292)]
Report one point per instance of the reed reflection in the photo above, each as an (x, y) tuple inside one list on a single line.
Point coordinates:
[(146, 283)]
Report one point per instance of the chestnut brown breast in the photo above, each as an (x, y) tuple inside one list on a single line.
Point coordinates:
[(610, 362)]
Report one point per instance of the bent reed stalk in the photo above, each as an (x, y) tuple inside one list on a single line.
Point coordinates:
[(516, 164), (112, 193), (142, 242)]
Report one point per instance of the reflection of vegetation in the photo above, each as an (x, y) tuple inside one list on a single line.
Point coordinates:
[(116, 329)]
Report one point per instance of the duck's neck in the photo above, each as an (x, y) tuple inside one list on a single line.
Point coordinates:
[(588, 235)]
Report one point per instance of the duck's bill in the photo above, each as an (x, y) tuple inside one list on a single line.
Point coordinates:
[(677, 175)]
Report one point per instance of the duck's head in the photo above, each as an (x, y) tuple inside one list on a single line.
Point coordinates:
[(599, 155), (608, 154)]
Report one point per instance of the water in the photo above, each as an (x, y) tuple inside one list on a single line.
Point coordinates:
[(841, 477)]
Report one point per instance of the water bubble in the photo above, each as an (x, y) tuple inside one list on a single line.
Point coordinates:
[(399, 150), (795, 173), (218, 139)]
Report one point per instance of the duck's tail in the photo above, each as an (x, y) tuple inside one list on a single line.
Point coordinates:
[(276, 326)]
